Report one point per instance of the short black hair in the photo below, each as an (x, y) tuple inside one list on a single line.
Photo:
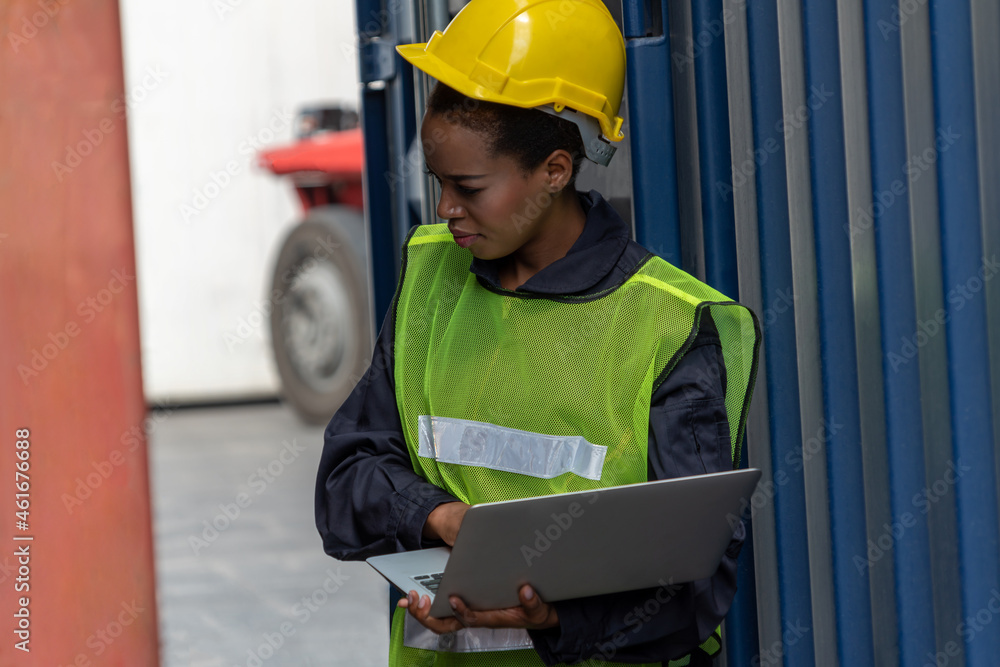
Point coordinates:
[(527, 135)]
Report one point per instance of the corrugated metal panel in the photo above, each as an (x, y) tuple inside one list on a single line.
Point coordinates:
[(650, 105), (910, 562), (929, 298), (868, 331), (965, 269), (845, 110), (689, 187), (749, 623), (714, 153), (813, 438), (768, 176), (986, 53)]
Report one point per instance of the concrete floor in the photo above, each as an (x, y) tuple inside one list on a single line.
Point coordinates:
[(254, 589)]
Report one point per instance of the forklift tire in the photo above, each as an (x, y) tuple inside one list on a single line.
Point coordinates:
[(321, 320)]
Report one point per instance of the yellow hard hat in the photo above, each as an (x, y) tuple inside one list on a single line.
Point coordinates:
[(554, 54)]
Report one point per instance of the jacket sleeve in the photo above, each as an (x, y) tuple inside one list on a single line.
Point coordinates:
[(369, 501), (689, 435)]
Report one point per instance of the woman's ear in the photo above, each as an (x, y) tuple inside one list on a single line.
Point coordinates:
[(558, 170)]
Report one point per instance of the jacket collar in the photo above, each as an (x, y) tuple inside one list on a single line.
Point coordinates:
[(594, 254)]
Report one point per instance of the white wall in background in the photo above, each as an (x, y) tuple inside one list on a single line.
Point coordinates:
[(206, 81)]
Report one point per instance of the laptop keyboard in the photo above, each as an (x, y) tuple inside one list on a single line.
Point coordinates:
[(430, 581)]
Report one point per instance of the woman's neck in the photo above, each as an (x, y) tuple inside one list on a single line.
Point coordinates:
[(556, 230)]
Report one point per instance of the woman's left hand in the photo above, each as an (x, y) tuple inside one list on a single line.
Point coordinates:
[(533, 613)]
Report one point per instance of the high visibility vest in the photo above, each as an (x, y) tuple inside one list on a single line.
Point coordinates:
[(505, 395)]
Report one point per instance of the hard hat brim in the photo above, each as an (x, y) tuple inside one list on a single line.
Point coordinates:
[(420, 57)]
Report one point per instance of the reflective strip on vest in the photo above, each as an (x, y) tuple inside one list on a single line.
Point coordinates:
[(468, 640), (471, 443)]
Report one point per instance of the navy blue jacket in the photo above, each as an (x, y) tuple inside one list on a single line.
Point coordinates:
[(369, 500)]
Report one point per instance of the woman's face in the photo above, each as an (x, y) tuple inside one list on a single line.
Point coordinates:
[(492, 206)]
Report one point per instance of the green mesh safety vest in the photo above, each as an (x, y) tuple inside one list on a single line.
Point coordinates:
[(563, 370)]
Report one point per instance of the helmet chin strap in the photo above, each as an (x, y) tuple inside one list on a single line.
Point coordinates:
[(598, 149)]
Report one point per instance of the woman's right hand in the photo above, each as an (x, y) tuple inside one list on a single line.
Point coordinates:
[(444, 522)]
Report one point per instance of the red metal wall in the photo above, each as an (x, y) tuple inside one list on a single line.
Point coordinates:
[(69, 345)]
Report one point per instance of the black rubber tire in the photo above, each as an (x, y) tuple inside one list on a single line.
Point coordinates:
[(321, 319)]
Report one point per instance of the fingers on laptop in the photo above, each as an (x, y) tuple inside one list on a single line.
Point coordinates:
[(420, 606), (533, 612)]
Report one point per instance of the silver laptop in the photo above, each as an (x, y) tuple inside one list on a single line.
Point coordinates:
[(580, 544)]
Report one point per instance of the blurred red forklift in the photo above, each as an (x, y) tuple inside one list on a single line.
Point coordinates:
[(321, 318)]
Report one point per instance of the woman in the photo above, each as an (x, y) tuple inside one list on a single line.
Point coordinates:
[(532, 310)]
